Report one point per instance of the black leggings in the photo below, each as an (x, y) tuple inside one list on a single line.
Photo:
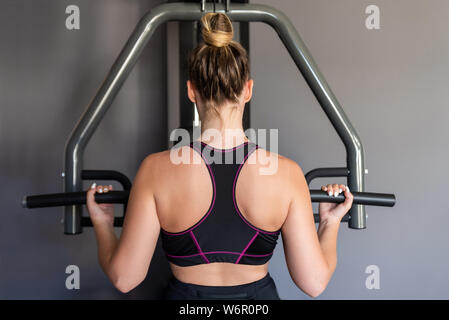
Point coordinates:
[(263, 289)]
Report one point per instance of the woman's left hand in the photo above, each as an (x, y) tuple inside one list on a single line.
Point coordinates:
[(100, 213)]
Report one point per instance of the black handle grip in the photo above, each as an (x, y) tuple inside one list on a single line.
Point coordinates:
[(366, 198), (72, 198)]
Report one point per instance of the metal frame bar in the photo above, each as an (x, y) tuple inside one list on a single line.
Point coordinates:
[(326, 172), (122, 67)]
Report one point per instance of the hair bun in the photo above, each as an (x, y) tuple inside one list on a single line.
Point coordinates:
[(217, 29)]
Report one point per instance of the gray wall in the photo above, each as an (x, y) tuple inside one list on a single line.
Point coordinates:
[(389, 81), (392, 83), (48, 75)]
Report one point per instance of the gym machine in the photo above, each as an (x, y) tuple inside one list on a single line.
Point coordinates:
[(74, 197)]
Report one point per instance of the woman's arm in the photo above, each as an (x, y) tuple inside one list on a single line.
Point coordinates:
[(126, 260), (311, 256), (327, 235), (330, 218)]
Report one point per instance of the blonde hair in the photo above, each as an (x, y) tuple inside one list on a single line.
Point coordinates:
[(219, 66)]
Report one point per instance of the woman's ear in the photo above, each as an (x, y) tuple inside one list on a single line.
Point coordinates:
[(191, 91), (248, 90)]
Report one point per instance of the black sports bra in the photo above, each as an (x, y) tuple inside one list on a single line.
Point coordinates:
[(222, 234)]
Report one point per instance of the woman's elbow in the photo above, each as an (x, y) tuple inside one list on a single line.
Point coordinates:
[(125, 282), (315, 291), (124, 287), (313, 288)]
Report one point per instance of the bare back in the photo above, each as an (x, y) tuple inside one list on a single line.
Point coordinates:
[(184, 193)]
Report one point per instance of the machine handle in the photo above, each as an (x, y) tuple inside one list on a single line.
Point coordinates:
[(326, 172), (74, 198), (366, 198)]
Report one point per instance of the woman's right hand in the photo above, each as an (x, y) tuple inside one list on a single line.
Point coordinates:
[(334, 212)]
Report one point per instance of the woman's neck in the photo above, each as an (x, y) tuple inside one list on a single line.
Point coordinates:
[(225, 130)]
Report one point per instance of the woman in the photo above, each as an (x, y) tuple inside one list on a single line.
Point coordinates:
[(219, 232)]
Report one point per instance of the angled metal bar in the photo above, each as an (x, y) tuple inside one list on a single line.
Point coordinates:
[(122, 67), (327, 100)]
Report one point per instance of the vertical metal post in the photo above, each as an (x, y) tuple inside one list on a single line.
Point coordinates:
[(86, 126), (244, 41), (188, 40), (329, 103)]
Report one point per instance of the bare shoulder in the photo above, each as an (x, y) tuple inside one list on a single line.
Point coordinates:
[(285, 167), (154, 159), (159, 162)]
